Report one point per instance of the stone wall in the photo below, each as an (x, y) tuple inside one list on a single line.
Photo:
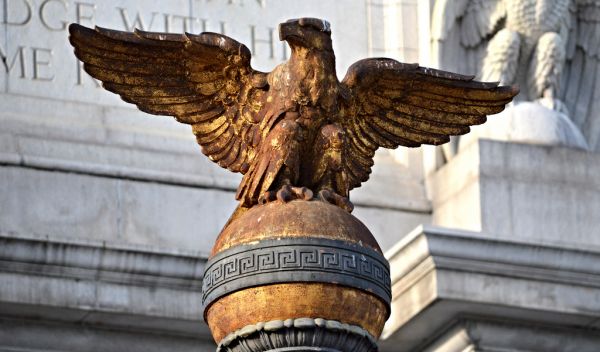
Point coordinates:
[(541, 194), (97, 198), (88, 159)]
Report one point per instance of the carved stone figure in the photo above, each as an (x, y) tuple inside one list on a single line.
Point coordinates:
[(551, 47), (290, 271)]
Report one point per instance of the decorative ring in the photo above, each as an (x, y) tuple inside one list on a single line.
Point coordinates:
[(296, 260), (309, 335)]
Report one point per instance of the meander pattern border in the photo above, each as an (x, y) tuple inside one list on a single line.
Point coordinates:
[(296, 260)]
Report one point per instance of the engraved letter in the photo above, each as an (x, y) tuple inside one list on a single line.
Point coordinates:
[(270, 41), (63, 24), (80, 8), (81, 72), (38, 63), (8, 9), (137, 23), (202, 25), (8, 66), (261, 3), (186, 22)]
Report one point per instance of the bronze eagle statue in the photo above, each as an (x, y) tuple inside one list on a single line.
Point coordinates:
[(295, 131)]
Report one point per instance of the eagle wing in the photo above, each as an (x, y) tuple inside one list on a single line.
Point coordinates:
[(203, 80), (580, 81), (388, 104)]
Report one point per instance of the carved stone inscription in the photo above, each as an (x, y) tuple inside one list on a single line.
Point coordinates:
[(37, 60)]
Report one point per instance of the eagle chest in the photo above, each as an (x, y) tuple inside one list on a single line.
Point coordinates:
[(535, 17), (311, 83)]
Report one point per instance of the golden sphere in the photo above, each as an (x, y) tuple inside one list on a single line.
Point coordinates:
[(280, 301)]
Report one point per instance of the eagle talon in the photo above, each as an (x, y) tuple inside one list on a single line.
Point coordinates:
[(302, 193), (325, 195), (285, 194), (288, 193), (267, 197), (328, 196)]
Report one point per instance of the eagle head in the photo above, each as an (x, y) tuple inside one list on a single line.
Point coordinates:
[(312, 33)]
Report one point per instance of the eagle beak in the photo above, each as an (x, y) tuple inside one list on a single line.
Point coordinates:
[(286, 29)]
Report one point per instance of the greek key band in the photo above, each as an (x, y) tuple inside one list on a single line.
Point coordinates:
[(296, 260)]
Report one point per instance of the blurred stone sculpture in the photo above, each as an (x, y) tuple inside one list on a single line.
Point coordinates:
[(295, 133), (551, 47)]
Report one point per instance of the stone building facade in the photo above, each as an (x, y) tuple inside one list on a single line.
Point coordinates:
[(107, 215)]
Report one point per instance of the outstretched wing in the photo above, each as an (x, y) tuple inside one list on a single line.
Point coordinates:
[(203, 80), (388, 104), (580, 84), (461, 30)]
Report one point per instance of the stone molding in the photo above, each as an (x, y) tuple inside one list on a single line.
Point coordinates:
[(428, 248), (127, 264), (296, 260), (125, 288), (474, 334)]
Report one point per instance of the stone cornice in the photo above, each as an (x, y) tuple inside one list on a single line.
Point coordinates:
[(123, 287), (474, 252), (135, 265), (441, 275)]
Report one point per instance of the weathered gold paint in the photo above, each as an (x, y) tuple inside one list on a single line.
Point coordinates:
[(296, 300), (379, 103), (297, 218)]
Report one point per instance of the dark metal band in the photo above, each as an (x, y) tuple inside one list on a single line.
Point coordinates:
[(299, 335), (296, 260)]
